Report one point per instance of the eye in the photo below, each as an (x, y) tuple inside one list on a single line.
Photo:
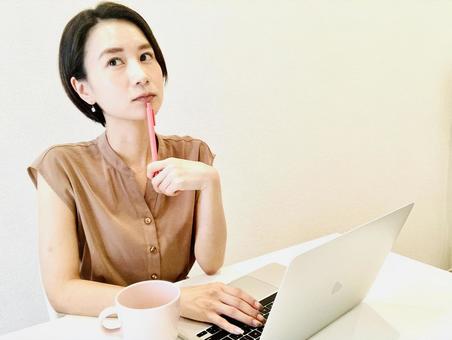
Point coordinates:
[(149, 54), (113, 60)]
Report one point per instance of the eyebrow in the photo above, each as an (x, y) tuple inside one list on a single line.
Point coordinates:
[(120, 49)]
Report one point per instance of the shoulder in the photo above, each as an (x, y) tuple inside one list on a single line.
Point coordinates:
[(175, 139), (186, 147), (68, 152)]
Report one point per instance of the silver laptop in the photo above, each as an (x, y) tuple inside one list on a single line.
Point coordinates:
[(316, 288)]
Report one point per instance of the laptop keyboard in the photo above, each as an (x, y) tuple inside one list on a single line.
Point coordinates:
[(249, 333)]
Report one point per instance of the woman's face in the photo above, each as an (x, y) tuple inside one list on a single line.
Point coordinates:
[(120, 66)]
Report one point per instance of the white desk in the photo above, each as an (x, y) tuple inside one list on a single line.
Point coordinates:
[(409, 300)]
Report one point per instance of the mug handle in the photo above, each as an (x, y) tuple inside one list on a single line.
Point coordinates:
[(109, 325)]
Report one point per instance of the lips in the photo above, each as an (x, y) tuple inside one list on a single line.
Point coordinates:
[(145, 97)]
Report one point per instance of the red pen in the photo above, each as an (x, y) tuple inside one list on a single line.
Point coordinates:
[(152, 139)]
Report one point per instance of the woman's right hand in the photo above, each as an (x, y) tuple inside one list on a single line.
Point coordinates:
[(210, 302)]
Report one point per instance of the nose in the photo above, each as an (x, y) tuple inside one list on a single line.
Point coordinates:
[(137, 74)]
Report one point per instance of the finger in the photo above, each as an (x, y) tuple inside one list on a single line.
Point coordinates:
[(222, 323), (242, 295), (174, 188), (151, 173), (163, 186), (237, 314), (158, 179), (241, 305), (156, 166)]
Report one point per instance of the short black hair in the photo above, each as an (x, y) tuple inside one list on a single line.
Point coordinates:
[(72, 49)]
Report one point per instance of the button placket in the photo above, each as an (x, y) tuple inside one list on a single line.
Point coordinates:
[(148, 225), (153, 257), (141, 204)]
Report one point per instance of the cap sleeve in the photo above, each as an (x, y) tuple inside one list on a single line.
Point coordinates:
[(205, 154), (53, 165)]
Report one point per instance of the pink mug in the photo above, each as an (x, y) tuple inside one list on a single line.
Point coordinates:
[(146, 310)]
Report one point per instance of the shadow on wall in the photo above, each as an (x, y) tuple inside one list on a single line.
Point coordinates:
[(448, 108)]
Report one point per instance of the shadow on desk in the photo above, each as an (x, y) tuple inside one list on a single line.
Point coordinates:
[(362, 322)]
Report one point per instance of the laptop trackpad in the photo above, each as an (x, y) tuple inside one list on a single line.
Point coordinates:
[(262, 282)]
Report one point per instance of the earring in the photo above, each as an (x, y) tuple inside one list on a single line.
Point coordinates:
[(93, 109)]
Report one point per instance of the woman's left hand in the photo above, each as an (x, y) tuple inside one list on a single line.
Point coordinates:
[(176, 175)]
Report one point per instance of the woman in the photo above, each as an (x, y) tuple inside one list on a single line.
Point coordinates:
[(105, 219)]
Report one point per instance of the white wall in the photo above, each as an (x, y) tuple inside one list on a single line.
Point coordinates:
[(323, 115)]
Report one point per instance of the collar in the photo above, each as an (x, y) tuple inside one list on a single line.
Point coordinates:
[(113, 158)]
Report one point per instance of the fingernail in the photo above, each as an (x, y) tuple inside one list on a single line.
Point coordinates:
[(260, 317), (258, 305), (257, 323), (238, 331)]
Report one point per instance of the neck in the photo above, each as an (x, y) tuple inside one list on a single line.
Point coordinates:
[(130, 140)]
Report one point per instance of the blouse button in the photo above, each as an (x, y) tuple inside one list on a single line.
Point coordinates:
[(147, 220), (152, 249), (154, 276)]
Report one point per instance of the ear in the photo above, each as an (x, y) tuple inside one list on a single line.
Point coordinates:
[(84, 90)]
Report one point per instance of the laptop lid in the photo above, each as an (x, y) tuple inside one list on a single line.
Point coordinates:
[(324, 283)]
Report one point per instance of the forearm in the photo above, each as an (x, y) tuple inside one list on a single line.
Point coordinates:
[(211, 227), (83, 297)]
